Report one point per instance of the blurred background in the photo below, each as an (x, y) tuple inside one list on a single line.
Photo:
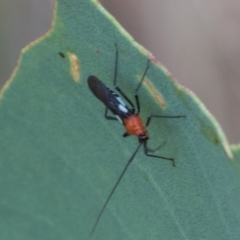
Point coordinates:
[(198, 41)]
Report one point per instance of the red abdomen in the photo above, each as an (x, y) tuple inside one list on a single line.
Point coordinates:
[(133, 125)]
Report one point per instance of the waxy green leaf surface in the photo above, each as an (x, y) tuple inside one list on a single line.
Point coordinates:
[(60, 158)]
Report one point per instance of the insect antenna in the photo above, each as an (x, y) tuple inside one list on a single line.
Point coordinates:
[(115, 81), (114, 188)]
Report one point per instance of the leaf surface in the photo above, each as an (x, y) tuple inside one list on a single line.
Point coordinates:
[(60, 158)]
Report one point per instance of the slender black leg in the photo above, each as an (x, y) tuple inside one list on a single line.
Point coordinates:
[(140, 83), (154, 150), (109, 117), (146, 150), (115, 81), (151, 155), (157, 116), (126, 134)]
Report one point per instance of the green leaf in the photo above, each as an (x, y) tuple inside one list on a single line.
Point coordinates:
[(60, 158)]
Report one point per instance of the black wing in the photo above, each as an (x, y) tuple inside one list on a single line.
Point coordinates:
[(110, 99)]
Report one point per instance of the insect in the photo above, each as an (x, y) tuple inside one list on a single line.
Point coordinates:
[(128, 117)]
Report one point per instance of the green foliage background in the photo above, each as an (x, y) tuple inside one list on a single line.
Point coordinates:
[(59, 157)]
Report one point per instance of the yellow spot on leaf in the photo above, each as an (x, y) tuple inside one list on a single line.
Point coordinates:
[(156, 94), (74, 67)]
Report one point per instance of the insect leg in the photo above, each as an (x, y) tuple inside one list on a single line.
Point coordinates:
[(140, 83), (109, 117), (157, 116), (115, 81), (146, 150), (151, 155), (154, 150), (126, 134), (114, 188)]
